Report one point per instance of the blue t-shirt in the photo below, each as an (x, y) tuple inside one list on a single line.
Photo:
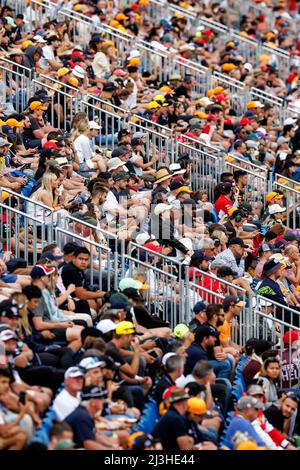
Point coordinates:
[(195, 353), (239, 424), (82, 425)]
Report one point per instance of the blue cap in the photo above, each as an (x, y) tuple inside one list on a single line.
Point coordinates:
[(199, 307)]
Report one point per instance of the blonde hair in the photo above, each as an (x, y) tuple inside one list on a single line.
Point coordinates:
[(218, 234), (52, 280), (80, 126), (47, 180), (23, 321)]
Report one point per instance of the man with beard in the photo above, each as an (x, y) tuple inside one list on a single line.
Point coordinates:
[(234, 256)]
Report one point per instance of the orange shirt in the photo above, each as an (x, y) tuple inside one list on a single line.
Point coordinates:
[(225, 331)]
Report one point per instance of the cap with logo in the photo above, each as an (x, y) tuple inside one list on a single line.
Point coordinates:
[(89, 363), (9, 309), (91, 392), (41, 270), (6, 335)]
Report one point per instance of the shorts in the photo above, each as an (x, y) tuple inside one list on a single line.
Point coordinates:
[(60, 334)]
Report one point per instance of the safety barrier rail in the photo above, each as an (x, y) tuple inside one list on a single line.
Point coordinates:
[(270, 321), (291, 190), (15, 85)]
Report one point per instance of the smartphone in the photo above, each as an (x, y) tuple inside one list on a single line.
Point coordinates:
[(22, 397)]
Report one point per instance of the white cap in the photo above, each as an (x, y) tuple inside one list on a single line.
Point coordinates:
[(176, 169), (91, 363), (39, 39), (282, 140), (289, 121), (252, 144), (8, 334), (204, 137), (115, 163), (94, 125), (166, 357), (262, 130), (105, 326), (276, 209), (133, 54), (78, 71), (160, 208), (248, 67), (73, 372), (259, 104), (143, 237), (205, 101)]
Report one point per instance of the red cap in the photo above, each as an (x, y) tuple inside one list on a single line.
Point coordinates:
[(244, 121), (212, 117), (290, 336), (153, 247), (167, 392), (77, 54), (220, 98), (134, 6), (228, 122), (51, 145), (207, 32)]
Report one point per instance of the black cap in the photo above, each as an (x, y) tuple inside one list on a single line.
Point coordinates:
[(88, 393), (111, 363), (225, 271), (271, 267), (109, 86), (236, 241), (120, 151), (198, 256), (70, 248), (137, 141), (122, 175), (175, 185), (9, 309), (124, 132), (262, 345), (194, 388), (133, 293), (204, 331), (290, 237), (225, 187)]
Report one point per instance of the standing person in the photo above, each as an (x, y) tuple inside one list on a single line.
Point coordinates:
[(69, 398)]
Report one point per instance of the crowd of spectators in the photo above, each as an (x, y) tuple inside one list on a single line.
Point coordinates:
[(111, 353)]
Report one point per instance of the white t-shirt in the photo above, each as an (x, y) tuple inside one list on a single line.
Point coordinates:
[(64, 404), (110, 203), (83, 148), (48, 54)]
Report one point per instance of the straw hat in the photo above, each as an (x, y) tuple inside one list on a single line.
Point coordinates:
[(162, 175)]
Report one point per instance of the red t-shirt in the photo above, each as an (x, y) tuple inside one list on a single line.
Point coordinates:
[(223, 204)]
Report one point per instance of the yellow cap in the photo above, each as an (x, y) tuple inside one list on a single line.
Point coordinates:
[(62, 71), (14, 123), (263, 57), (218, 90), (121, 17), (114, 24), (182, 189), (229, 159), (210, 93), (125, 328), (273, 195), (159, 98), (74, 82), (248, 445), (153, 105), (201, 115), (144, 3), (37, 105), (231, 211), (134, 62), (228, 67), (26, 43), (196, 406), (166, 89)]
